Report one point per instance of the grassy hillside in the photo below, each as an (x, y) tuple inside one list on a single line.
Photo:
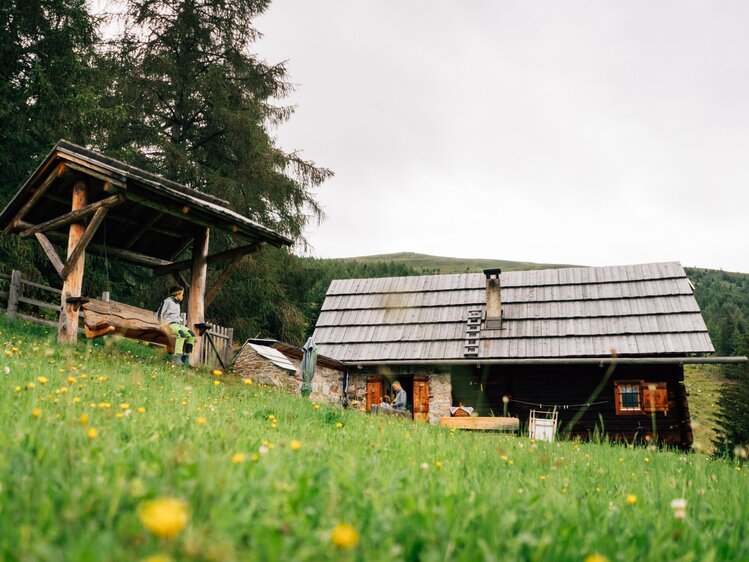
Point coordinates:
[(107, 453), (426, 264)]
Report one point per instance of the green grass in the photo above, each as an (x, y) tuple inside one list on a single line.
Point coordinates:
[(64, 496)]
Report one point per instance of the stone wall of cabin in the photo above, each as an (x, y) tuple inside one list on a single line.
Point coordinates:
[(440, 396), (326, 384)]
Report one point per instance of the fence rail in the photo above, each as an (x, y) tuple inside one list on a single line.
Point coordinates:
[(37, 302)]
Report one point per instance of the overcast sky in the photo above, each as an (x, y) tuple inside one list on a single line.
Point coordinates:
[(588, 133)]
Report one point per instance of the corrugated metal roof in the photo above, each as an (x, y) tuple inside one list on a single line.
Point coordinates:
[(275, 356), (639, 310)]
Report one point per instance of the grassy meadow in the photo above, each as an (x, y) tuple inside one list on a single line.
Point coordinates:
[(108, 453)]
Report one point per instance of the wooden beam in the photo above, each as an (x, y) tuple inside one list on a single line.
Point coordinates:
[(194, 218), (106, 178), (49, 249), (125, 255), (487, 423), (73, 216), (218, 257), (84, 241), (67, 330), (58, 171), (196, 304), (222, 278)]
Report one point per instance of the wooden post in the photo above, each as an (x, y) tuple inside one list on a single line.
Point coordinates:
[(67, 330), (196, 304), (13, 292)]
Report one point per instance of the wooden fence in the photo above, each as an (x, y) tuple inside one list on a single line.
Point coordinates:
[(30, 301)]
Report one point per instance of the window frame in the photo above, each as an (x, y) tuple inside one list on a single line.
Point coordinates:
[(642, 409)]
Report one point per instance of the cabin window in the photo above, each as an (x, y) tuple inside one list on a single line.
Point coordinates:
[(629, 397), (640, 397)]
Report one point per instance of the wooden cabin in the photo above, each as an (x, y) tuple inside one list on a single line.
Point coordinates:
[(604, 346)]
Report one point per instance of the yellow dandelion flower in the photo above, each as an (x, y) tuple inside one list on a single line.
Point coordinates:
[(646, 459), (124, 406), (83, 419), (92, 433), (316, 406), (217, 372), (295, 445), (42, 380), (104, 405), (438, 464), (344, 536), (141, 410), (157, 558), (71, 380), (255, 457), (237, 458), (339, 425), (18, 389), (164, 517), (543, 477), (201, 421), (216, 383), (119, 415), (247, 381), (36, 412), (631, 499), (503, 457), (596, 558), (30, 385)]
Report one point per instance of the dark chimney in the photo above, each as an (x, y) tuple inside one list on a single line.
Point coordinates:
[(493, 300)]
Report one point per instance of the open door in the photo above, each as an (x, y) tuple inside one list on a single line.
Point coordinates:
[(374, 390), (421, 399)]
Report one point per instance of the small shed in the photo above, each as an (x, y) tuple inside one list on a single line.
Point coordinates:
[(85, 202), (603, 346), (278, 365)]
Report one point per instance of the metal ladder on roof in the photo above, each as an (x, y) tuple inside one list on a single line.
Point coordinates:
[(473, 333)]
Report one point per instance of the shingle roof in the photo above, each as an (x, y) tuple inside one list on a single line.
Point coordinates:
[(640, 310)]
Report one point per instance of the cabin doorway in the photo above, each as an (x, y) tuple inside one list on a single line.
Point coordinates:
[(416, 387)]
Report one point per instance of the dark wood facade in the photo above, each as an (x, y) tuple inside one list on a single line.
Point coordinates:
[(570, 389)]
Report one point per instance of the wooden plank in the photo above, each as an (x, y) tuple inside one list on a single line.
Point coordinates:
[(42, 287), (13, 293), (83, 242), (39, 304), (421, 398), (73, 216), (67, 330), (196, 304), (102, 175), (482, 423), (51, 252), (36, 320), (58, 171)]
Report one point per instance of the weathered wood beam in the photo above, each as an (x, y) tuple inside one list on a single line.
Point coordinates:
[(84, 241), (56, 173), (67, 330), (230, 268), (100, 175), (188, 215), (73, 216), (49, 249), (218, 257), (126, 255), (196, 304)]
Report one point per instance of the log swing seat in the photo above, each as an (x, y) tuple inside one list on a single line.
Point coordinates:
[(104, 318)]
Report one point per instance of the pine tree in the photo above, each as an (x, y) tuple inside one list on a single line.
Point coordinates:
[(200, 107)]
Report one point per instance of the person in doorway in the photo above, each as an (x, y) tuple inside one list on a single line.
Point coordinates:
[(169, 314), (400, 396)]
